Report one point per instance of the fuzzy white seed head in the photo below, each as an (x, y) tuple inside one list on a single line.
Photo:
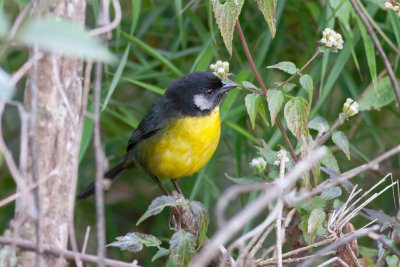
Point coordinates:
[(331, 39), (350, 107), (258, 164), (394, 7)]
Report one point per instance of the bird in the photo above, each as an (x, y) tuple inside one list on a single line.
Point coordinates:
[(179, 134)]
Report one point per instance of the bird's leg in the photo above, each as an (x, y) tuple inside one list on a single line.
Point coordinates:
[(155, 179), (175, 183)]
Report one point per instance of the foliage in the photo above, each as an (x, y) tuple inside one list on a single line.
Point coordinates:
[(158, 41)]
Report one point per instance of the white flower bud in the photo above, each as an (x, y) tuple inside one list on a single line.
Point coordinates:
[(212, 67), (258, 164), (350, 107), (331, 39)]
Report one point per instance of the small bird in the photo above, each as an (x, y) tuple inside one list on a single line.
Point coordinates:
[(179, 134)]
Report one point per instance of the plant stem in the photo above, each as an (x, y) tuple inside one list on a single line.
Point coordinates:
[(299, 72), (264, 89), (375, 40)]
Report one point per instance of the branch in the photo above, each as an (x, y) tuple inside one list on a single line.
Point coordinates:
[(254, 208), (67, 254), (109, 26), (260, 81), (375, 40)]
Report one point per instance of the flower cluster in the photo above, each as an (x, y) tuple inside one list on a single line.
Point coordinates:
[(394, 7), (221, 69), (331, 39), (350, 107), (258, 164)]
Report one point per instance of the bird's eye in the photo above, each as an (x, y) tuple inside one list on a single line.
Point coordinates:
[(208, 92)]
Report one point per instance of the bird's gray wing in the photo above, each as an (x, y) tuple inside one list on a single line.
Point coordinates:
[(154, 121)]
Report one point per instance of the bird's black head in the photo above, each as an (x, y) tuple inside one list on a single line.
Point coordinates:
[(198, 93)]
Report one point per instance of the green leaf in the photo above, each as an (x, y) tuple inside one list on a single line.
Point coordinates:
[(134, 242), (332, 193), (368, 252), (202, 219), (329, 160), (4, 24), (319, 124), (156, 206), (253, 102), (382, 96), (226, 15), (316, 218), (286, 66), (249, 179), (369, 50), (183, 248), (340, 139), (6, 86), (64, 37), (296, 115), (268, 8), (268, 154), (161, 253), (342, 10), (306, 82), (392, 261), (308, 205), (86, 137), (117, 76), (249, 85), (275, 101)]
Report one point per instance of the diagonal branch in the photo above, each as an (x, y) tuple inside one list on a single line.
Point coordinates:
[(380, 50)]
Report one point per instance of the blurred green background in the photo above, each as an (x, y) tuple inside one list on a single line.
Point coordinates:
[(158, 41)]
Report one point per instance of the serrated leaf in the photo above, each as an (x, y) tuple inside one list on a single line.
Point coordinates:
[(332, 193), (183, 248), (64, 37), (275, 101), (161, 253), (268, 8), (340, 139), (134, 242), (6, 86), (392, 261), (308, 205), (226, 15), (296, 115), (382, 96), (316, 218), (253, 102), (319, 124), (329, 160), (306, 82), (4, 24), (285, 88), (268, 154), (202, 219), (286, 66), (250, 85), (156, 206)]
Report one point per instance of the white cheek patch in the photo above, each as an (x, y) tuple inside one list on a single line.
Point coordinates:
[(203, 102)]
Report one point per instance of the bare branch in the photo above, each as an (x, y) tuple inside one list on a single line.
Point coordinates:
[(67, 254), (109, 27), (253, 209)]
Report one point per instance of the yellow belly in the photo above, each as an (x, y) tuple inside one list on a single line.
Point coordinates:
[(182, 147)]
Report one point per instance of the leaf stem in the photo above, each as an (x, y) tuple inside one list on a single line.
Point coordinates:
[(299, 72), (264, 89)]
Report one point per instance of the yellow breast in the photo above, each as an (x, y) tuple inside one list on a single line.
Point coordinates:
[(182, 147)]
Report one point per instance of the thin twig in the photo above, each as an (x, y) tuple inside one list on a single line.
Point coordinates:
[(282, 158), (332, 261), (109, 26), (25, 68), (33, 151), (63, 253), (371, 20), (264, 89), (254, 208), (85, 242), (375, 40)]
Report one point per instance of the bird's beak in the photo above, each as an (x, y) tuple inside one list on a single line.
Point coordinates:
[(226, 86)]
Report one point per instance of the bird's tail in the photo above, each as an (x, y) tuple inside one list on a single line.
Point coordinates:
[(113, 173)]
